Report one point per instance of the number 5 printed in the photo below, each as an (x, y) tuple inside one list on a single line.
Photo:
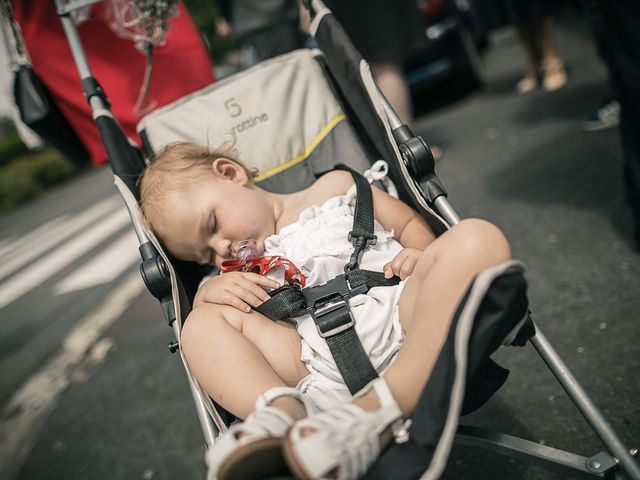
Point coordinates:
[(233, 107)]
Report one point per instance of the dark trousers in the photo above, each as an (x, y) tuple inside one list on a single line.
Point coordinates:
[(622, 23), (276, 40), (593, 12)]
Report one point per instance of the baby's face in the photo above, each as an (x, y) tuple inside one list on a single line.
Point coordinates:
[(201, 221)]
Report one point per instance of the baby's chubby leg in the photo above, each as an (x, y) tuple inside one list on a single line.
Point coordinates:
[(236, 356), (429, 299)]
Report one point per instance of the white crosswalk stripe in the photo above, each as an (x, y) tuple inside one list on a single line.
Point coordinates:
[(6, 245), (62, 256), (104, 267), (12, 244), (49, 235)]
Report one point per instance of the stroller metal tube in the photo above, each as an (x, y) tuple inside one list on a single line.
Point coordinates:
[(140, 234), (77, 50), (392, 116), (565, 463), (589, 410), (445, 210), (72, 5), (96, 103)]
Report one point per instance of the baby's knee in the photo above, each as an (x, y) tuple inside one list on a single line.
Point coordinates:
[(476, 237), (204, 322)]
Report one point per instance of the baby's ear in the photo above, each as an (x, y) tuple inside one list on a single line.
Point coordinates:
[(229, 170)]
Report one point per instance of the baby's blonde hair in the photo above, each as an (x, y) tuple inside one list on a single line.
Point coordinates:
[(173, 169)]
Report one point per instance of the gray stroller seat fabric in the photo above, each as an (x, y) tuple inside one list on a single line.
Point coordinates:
[(281, 118)]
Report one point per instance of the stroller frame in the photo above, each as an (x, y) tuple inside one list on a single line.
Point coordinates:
[(124, 158)]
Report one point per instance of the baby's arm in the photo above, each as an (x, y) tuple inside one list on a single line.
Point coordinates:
[(241, 290), (410, 229)]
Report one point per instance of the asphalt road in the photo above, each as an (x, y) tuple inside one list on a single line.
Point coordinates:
[(115, 404)]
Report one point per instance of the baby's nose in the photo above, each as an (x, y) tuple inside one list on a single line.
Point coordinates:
[(223, 248)]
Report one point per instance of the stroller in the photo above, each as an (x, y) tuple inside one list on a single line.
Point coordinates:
[(333, 110)]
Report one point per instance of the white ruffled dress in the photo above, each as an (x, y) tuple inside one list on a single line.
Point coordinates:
[(317, 244)]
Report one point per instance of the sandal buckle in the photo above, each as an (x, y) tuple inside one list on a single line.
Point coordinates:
[(400, 430)]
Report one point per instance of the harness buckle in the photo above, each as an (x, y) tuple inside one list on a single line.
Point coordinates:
[(323, 300)]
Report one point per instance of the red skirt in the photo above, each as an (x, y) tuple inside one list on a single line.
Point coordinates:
[(181, 66)]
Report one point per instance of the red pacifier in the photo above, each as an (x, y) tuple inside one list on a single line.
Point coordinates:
[(246, 259)]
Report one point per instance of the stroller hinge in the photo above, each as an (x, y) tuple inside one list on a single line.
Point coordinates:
[(419, 160), (92, 88), (155, 275), (601, 462)]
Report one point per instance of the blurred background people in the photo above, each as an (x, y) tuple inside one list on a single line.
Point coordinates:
[(622, 27), (534, 22), (180, 66), (384, 32), (607, 115), (270, 27)]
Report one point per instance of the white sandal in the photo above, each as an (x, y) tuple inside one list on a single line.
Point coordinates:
[(259, 438), (343, 442)]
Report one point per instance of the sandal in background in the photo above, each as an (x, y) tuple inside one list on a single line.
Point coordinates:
[(554, 75)]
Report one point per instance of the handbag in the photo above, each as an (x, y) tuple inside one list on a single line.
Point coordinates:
[(35, 104)]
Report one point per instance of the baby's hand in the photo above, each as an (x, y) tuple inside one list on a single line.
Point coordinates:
[(402, 264), (241, 290)]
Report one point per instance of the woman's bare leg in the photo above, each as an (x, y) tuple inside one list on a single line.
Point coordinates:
[(236, 356), (428, 301), (529, 40), (554, 74), (548, 50), (390, 78)]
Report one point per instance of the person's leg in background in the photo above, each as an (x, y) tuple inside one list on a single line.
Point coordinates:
[(554, 75), (276, 40), (391, 80), (607, 115), (529, 81), (535, 25), (622, 22)]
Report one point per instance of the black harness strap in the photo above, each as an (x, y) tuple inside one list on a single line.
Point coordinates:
[(285, 302), (361, 234), (328, 304), (289, 300)]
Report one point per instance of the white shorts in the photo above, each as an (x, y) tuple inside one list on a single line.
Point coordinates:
[(377, 324)]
